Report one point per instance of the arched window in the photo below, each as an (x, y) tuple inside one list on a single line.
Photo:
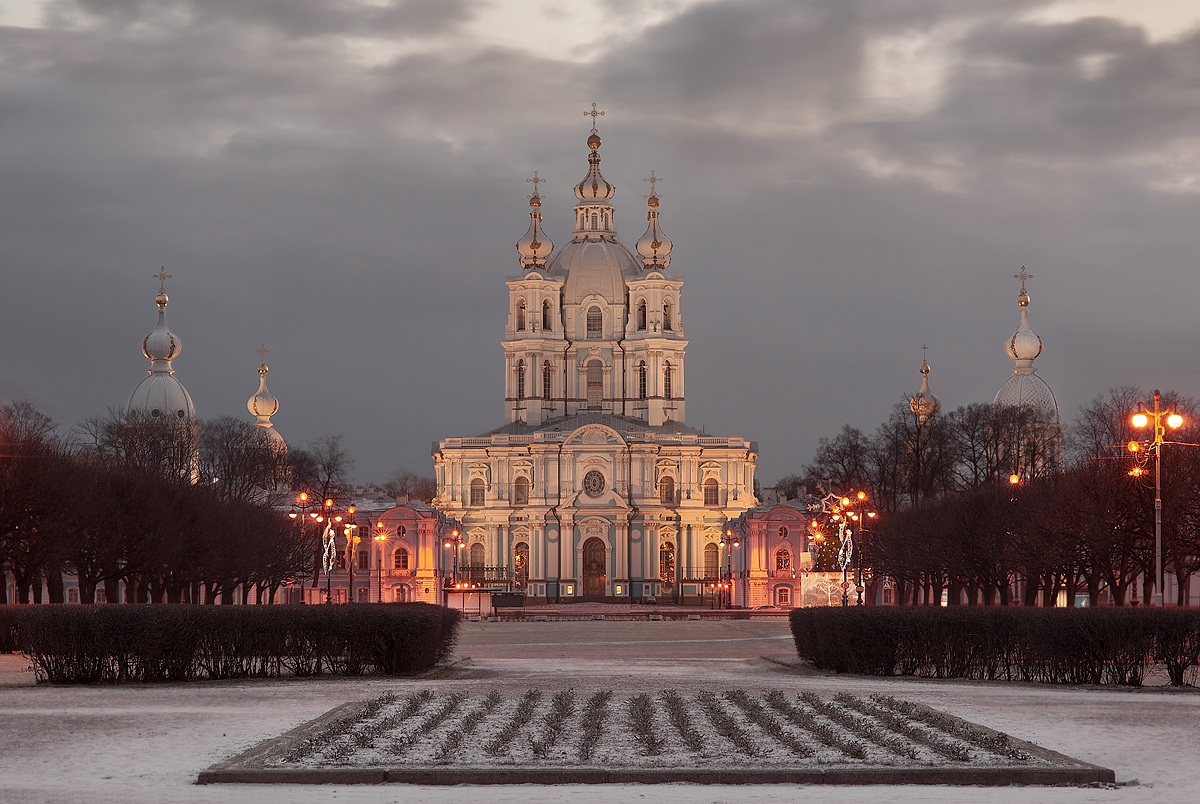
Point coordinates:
[(595, 221), (521, 315), (667, 316), (477, 554), (520, 379), (783, 559), (547, 377), (641, 379), (641, 315), (667, 381), (666, 491), (595, 322), (595, 385), (521, 491), (547, 314), (521, 565), (712, 492), (400, 559), (666, 562), (477, 491), (711, 560)]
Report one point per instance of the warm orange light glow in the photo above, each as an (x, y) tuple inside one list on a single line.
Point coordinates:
[(454, 533), (379, 524), (1139, 420), (315, 516), (1014, 479), (845, 501), (304, 496), (1135, 471), (381, 537), (292, 514), (329, 503), (737, 543), (446, 544), (1175, 421), (350, 510), (815, 523), (871, 514), (836, 517), (337, 518), (862, 495), (1134, 446)]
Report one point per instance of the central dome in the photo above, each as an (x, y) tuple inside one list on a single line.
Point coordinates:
[(597, 267)]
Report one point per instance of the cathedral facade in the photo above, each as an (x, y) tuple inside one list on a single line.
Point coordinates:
[(594, 487)]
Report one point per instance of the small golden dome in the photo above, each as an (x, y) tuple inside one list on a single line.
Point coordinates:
[(161, 299), (652, 201), (1023, 298), (594, 141), (535, 200)]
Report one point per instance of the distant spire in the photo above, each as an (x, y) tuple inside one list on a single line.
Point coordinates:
[(924, 404), (535, 247), (594, 189), (654, 246), (263, 405), (161, 395), (1025, 345)]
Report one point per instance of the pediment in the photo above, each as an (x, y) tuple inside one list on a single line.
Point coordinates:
[(595, 435)]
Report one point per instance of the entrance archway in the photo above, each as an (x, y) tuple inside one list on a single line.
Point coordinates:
[(595, 568)]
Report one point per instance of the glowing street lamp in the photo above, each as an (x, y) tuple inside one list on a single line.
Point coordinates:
[(1140, 420), (380, 539), (727, 544)]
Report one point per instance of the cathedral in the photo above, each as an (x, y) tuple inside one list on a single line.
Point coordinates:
[(594, 487)]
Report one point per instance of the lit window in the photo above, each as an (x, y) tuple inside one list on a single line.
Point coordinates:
[(783, 559), (712, 492), (477, 492), (783, 532), (595, 322), (666, 563), (521, 565)]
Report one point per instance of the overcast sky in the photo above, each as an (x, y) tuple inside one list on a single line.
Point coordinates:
[(844, 181)]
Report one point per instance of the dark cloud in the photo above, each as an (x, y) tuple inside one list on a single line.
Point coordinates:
[(844, 182)]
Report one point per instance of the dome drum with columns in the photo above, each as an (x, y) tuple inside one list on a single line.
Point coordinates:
[(594, 486)]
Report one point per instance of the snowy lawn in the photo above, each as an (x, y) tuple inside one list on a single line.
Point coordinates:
[(147, 744)]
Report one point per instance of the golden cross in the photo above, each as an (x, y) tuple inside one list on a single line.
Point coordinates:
[(594, 114), (162, 276), (923, 351), (1023, 276), (653, 180), (536, 181), (262, 353)]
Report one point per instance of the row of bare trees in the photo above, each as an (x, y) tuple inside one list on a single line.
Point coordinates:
[(1078, 519), (160, 508)]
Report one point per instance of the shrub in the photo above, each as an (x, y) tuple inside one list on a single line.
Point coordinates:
[(103, 644), (1061, 646)]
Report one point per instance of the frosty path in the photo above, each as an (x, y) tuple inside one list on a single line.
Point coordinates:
[(147, 744)]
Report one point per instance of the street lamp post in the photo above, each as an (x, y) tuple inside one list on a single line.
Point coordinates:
[(849, 512), (348, 529), (454, 543), (1174, 421), (380, 539), (728, 543)]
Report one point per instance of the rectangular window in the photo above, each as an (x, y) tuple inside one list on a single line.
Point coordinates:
[(476, 492), (595, 322), (364, 560)]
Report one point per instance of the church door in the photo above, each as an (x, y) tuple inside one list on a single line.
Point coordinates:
[(595, 573)]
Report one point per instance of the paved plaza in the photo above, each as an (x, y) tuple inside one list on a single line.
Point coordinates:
[(148, 743)]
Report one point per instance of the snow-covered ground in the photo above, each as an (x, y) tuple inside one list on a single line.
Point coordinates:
[(147, 744)]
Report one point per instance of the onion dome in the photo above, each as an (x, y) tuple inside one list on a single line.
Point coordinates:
[(161, 395), (535, 246), (263, 405), (1025, 388), (655, 247), (594, 187), (924, 405)]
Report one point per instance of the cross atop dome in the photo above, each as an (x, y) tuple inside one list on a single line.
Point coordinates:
[(262, 352), (593, 114), (162, 276), (1023, 296)]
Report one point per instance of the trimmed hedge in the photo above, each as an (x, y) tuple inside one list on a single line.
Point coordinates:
[(108, 644), (1051, 645)]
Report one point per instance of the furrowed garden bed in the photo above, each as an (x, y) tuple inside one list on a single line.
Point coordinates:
[(571, 735), (118, 643), (1061, 646)]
